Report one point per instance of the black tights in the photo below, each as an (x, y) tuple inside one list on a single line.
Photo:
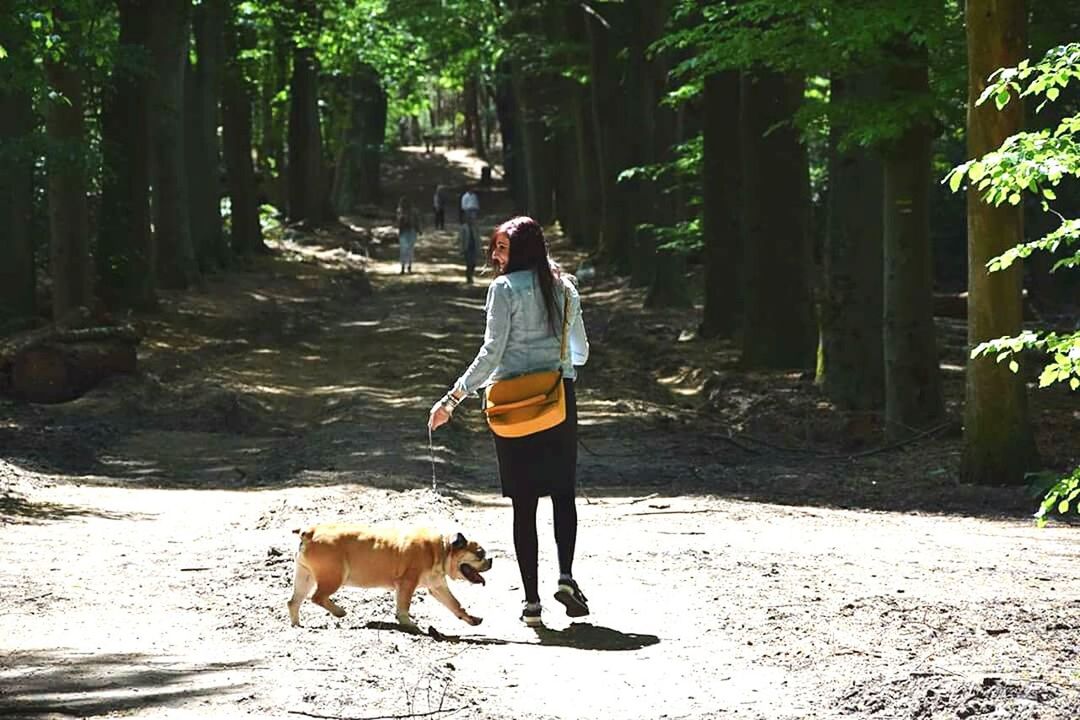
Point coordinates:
[(564, 513)]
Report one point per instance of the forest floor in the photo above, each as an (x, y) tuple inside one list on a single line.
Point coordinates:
[(748, 552)]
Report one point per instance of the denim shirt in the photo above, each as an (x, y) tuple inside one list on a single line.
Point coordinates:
[(518, 337)]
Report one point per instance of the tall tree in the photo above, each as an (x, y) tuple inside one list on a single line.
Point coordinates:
[(126, 252), (359, 156), (660, 264), (474, 135), (851, 365), (605, 122), (721, 200), (202, 105), (913, 395), (577, 178), (246, 231), (271, 111), (17, 180), (648, 134), (513, 156), (176, 263), (305, 134), (998, 442), (69, 218), (532, 87), (780, 330)]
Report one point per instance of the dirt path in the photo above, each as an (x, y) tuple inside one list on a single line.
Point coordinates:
[(146, 553)]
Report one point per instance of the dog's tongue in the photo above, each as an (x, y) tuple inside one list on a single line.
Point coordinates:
[(471, 574)]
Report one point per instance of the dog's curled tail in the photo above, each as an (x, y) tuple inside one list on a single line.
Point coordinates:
[(305, 535)]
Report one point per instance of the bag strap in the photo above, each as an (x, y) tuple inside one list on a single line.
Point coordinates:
[(565, 326)]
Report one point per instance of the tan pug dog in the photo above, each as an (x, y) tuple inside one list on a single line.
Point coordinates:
[(336, 554)]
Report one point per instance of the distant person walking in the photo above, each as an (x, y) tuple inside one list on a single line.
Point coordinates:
[(408, 222), (439, 208), (470, 207), (469, 240), (469, 234)]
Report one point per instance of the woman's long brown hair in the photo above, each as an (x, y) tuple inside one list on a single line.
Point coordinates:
[(528, 251)]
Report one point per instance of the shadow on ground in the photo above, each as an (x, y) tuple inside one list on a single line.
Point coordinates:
[(18, 510), (57, 682), (582, 636)]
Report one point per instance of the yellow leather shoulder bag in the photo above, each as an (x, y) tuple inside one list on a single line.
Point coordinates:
[(530, 403)]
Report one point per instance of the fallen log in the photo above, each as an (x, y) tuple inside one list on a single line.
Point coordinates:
[(61, 361), (55, 372), (13, 345)]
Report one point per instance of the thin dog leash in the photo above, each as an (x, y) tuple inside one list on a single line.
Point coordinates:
[(431, 454)]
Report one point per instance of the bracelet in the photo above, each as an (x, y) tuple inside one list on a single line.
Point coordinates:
[(450, 402)]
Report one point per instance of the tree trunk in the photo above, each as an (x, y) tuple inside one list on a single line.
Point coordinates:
[(371, 114), (69, 220), (483, 130), (509, 129), (16, 189), (474, 137), (126, 253), (246, 232), (780, 329), (536, 153), (645, 146), (669, 287), (999, 446), (575, 192), (568, 193), (176, 264), (203, 156), (356, 176), (586, 173), (667, 267), (721, 193), (603, 116), (305, 140), (272, 168), (851, 367), (913, 395)]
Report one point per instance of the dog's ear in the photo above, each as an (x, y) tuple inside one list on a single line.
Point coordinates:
[(459, 542)]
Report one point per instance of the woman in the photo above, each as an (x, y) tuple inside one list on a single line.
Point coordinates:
[(408, 221), (524, 334)]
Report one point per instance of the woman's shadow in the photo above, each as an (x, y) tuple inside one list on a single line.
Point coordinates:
[(583, 636), (586, 636)]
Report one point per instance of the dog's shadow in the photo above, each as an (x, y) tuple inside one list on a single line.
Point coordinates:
[(434, 634), (583, 636)]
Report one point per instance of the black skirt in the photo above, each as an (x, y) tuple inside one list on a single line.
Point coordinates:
[(544, 463)]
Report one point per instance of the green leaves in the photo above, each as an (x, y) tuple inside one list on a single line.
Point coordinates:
[(1027, 162), (1063, 351), (1001, 98), (1061, 496), (1045, 78)]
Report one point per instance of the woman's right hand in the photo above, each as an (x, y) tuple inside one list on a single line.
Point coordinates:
[(439, 416)]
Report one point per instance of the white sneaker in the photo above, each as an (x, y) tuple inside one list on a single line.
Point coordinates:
[(530, 614)]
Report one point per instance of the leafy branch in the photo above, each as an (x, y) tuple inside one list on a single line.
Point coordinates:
[(1036, 163)]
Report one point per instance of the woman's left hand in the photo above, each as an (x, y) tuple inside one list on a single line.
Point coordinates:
[(439, 416)]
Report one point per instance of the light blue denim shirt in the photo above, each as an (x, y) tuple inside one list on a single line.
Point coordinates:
[(518, 337)]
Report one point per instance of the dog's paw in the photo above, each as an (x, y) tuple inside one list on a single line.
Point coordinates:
[(473, 620)]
